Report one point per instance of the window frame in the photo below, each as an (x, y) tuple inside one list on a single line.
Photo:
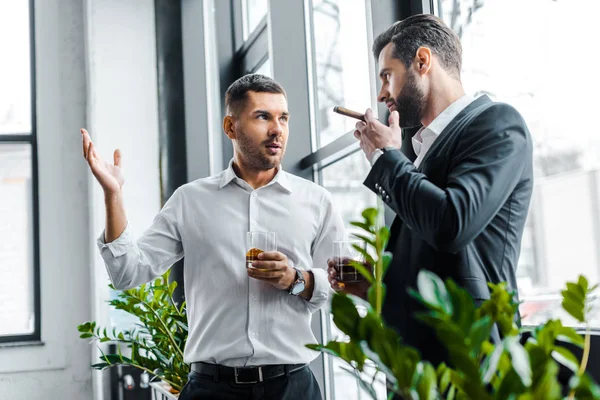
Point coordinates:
[(30, 139)]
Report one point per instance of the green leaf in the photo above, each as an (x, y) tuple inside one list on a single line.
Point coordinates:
[(433, 291), (100, 366), (573, 308), (566, 358), (443, 373), (576, 291), (426, 384), (584, 387), (583, 283), (520, 359), (384, 235), (490, 365), (370, 216), (510, 386), (365, 254), (360, 267), (365, 239), (345, 315), (386, 260), (479, 332), (362, 225), (569, 335), (86, 335)]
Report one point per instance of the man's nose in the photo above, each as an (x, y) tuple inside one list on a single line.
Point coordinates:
[(382, 96)]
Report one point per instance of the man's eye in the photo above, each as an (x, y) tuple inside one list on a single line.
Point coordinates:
[(284, 119), (262, 116)]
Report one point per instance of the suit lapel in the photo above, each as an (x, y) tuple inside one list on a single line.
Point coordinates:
[(447, 132)]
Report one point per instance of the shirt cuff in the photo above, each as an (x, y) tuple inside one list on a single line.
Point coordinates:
[(320, 289), (120, 245)]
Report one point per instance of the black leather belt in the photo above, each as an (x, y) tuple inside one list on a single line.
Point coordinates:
[(245, 375)]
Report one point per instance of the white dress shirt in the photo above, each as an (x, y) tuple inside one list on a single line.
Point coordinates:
[(233, 319), (424, 138)]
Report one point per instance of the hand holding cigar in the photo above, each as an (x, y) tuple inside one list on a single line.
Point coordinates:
[(349, 113)]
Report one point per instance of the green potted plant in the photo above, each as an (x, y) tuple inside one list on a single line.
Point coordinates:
[(478, 368), (155, 345)]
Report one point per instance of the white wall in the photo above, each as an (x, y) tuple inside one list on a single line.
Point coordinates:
[(58, 368), (96, 68), (122, 113)]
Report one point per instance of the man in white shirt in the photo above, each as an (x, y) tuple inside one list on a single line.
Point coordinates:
[(248, 327)]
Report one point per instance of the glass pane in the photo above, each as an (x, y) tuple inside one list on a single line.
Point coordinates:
[(265, 69), (15, 93), (16, 240), (344, 179), (342, 64), (524, 66), (253, 12)]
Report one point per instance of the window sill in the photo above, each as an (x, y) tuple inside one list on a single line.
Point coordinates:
[(33, 343)]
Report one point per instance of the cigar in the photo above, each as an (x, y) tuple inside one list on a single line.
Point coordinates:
[(349, 113)]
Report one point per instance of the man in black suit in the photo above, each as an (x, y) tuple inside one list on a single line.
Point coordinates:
[(461, 206)]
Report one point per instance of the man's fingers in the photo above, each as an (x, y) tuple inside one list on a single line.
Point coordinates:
[(270, 265), (89, 153), (369, 116), (117, 157), (272, 256), (394, 119)]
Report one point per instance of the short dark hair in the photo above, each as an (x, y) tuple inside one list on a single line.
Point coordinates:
[(422, 30), (237, 93)]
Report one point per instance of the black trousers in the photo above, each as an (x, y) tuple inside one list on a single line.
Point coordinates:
[(299, 385)]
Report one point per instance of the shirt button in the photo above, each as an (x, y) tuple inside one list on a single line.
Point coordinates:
[(254, 297), (253, 223), (387, 198), (380, 189), (254, 194), (377, 186)]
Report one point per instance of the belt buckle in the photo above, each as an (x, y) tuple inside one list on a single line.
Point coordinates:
[(236, 376)]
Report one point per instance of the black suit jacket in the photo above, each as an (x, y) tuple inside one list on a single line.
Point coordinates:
[(460, 214)]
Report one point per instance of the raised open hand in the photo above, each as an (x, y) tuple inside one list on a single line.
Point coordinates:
[(110, 176)]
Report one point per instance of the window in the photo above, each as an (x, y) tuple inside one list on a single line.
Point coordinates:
[(341, 58), (344, 179), (253, 11), (19, 288), (535, 67), (264, 69)]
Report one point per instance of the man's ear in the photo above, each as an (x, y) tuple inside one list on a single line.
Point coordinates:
[(424, 59), (229, 127)]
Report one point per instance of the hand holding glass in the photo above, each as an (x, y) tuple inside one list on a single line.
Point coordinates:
[(258, 242), (344, 252)]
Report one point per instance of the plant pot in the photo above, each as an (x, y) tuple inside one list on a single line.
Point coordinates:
[(160, 391)]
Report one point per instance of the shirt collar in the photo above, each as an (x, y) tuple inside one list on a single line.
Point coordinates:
[(281, 178), (437, 126)]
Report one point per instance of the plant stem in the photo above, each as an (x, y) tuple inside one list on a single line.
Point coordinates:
[(378, 272), (586, 351), (167, 331), (584, 358)]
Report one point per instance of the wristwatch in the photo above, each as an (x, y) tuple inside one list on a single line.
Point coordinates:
[(298, 285), (378, 153)]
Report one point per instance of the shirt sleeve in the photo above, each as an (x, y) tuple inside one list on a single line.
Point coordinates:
[(331, 229), (130, 262)]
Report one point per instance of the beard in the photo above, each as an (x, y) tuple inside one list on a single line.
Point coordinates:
[(410, 103), (253, 156)]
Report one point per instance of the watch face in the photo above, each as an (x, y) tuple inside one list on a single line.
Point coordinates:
[(298, 288)]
